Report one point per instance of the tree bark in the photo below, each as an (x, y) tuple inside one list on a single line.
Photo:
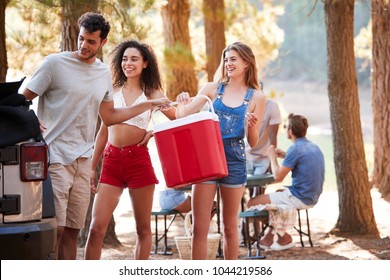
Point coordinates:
[(356, 214), (3, 48), (179, 61), (71, 10), (380, 12), (214, 27)]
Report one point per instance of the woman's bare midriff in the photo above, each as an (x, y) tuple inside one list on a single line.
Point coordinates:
[(122, 135)]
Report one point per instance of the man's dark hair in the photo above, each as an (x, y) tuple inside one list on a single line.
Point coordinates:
[(298, 125), (93, 22)]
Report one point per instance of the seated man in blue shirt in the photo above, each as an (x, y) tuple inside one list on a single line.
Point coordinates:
[(306, 162)]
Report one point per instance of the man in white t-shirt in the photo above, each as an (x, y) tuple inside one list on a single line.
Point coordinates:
[(257, 160), (73, 89)]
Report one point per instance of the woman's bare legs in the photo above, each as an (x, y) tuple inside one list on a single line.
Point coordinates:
[(231, 203), (142, 201), (104, 204), (185, 207), (202, 202)]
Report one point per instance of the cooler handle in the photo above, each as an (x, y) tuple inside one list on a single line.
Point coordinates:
[(192, 98)]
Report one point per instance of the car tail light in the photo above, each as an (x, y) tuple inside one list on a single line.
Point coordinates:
[(33, 161)]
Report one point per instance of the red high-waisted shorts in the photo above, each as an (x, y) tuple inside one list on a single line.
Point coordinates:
[(127, 167)]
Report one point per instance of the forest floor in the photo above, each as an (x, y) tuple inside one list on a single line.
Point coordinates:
[(322, 219)]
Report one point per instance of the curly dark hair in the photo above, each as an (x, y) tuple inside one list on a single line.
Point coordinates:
[(150, 77), (93, 22)]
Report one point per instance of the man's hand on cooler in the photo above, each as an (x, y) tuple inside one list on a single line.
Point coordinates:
[(161, 103)]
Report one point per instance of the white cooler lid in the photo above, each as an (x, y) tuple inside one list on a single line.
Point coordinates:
[(193, 118)]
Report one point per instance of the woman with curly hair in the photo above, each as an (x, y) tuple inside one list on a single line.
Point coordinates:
[(126, 162)]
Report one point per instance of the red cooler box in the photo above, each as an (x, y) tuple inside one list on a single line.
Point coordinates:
[(191, 149)]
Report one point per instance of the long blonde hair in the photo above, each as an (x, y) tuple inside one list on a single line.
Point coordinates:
[(247, 55)]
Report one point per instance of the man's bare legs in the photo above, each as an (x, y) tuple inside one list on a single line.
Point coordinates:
[(67, 244), (268, 239), (259, 199)]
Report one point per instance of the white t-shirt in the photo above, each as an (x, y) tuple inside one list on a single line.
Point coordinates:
[(271, 117), (70, 92)]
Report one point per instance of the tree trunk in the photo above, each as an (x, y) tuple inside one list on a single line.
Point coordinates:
[(3, 48), (179, 61), (70, 13), (214, 28), (380, 12), (356, 214)]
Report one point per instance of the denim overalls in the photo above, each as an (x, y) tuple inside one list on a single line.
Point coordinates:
[(232, 125)]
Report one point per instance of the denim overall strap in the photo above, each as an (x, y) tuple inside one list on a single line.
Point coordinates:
[(248, 96), (247, 100), (231, 119)]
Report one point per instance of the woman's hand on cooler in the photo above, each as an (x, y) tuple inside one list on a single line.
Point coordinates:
[(183, 98)]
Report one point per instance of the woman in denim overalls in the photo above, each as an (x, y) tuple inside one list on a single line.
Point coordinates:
[(239, 104)]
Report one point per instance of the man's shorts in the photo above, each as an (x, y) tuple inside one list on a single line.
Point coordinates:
[(71, 192), (286, 198), (127, 167)]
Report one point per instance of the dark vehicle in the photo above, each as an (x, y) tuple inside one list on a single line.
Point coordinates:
[(28, 227)]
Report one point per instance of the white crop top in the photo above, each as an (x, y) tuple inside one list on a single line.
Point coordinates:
[(141, 120)]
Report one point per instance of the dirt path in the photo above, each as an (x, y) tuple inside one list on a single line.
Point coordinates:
[(322, 218)]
